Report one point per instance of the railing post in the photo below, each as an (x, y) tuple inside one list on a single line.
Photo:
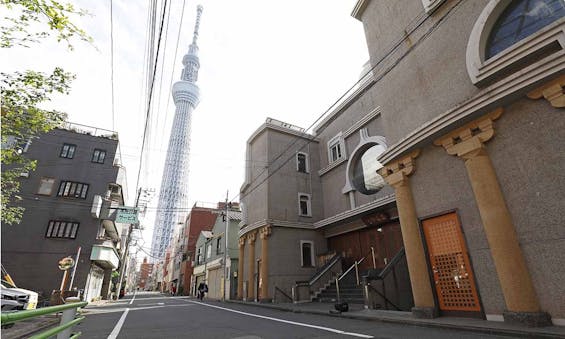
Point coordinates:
[(357, 273), (337, 290), (373, 254), (367, 297), (68, 315)]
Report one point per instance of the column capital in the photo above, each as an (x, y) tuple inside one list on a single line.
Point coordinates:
[(265, 232), (251, 237), (396, 172), (468, 141), (242, 241), (552, 92)]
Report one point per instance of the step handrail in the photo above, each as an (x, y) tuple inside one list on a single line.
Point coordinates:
[(68, 319), (384, 297), (397, 257), (281, 292), (329, 265)]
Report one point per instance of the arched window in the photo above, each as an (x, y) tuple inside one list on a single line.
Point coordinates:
[(521, 19), (510, 35)]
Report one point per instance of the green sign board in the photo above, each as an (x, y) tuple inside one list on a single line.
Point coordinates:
[(127, 215)]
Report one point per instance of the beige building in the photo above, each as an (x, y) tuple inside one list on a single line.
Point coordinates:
[(445, 160)]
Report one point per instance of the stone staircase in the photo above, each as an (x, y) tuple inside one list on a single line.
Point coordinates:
[(348, 291)]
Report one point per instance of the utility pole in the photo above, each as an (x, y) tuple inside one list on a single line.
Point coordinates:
[(124, 259), (226, 273)]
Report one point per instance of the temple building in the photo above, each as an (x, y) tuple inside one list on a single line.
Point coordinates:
[(436, 185)]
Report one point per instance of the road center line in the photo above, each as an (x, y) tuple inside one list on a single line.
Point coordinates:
[(119, 325), (286, 321), (133, 298)]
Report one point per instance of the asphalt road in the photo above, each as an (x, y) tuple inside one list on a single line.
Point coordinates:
[(152, 315)]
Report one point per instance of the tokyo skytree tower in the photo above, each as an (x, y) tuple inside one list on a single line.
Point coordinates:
[(173, 195)]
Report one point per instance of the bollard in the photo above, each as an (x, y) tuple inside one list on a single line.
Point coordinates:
[(68, 315)]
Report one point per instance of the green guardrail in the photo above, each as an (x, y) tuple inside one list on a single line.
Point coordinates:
[(67, 320)]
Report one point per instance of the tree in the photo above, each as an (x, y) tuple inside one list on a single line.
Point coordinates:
[(53, 13), (23, 92)]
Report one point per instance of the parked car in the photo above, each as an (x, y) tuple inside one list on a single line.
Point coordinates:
[(12, 293)]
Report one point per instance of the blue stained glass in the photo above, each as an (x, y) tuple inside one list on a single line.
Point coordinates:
[(521, 19)]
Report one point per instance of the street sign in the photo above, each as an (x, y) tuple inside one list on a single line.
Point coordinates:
[(127, 215)]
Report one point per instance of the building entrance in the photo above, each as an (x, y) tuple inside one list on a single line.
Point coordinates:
[(452, 272), (381, 242)]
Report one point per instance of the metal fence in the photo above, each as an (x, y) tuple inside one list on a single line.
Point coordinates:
[(68, 320)]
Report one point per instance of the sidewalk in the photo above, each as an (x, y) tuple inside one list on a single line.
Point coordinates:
[(467, 324), (25, 328)]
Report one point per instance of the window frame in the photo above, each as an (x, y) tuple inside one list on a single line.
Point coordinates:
[(306, 162), (96, 160), (521, 55), (65, 186), (40, 184), (66, 155), (312, 256), (62, 229), (219, 245), (308, 204), (339, 141)]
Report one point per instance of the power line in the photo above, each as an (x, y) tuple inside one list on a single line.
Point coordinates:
[(420, 19), (147, 117), (171, 81), (112, 60)]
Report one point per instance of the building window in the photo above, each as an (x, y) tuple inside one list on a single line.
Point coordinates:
[(307, 251), (62, 229), (219, 245), (73, 189), (336, 148), (199, 256), (208, 251), (68, 151), (520, 20), (304, 205), (98, 156), (46, 186), (302, 162)]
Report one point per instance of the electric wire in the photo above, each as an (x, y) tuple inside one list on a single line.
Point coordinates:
[(171, 81), (420, 19), (147, 118)]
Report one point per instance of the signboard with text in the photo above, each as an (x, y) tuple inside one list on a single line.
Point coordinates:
[(127, 215)]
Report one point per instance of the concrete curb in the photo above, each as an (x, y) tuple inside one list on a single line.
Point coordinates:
[(522, 333)]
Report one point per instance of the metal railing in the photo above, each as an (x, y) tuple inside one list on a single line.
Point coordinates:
[(68, 320), (389, 272), (312, 287), (281, 292), (338, 278)]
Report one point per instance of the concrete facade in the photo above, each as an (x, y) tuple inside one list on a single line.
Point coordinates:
[(29, 253), (431, 93), (209, 265)]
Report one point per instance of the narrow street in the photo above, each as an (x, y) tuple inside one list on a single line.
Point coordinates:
[(154, 315)]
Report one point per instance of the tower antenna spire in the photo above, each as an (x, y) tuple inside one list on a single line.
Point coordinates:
[(199, 10)]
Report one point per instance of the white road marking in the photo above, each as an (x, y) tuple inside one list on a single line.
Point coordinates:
[(152, 304), (133, 298), (89, 312), (286, 321), (119, 325)]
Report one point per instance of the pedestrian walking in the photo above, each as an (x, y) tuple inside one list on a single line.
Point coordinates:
[(202, 290)]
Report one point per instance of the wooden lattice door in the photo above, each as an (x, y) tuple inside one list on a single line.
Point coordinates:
[(453, 274)]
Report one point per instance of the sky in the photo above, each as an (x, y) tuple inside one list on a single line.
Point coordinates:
[(288, 60)]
